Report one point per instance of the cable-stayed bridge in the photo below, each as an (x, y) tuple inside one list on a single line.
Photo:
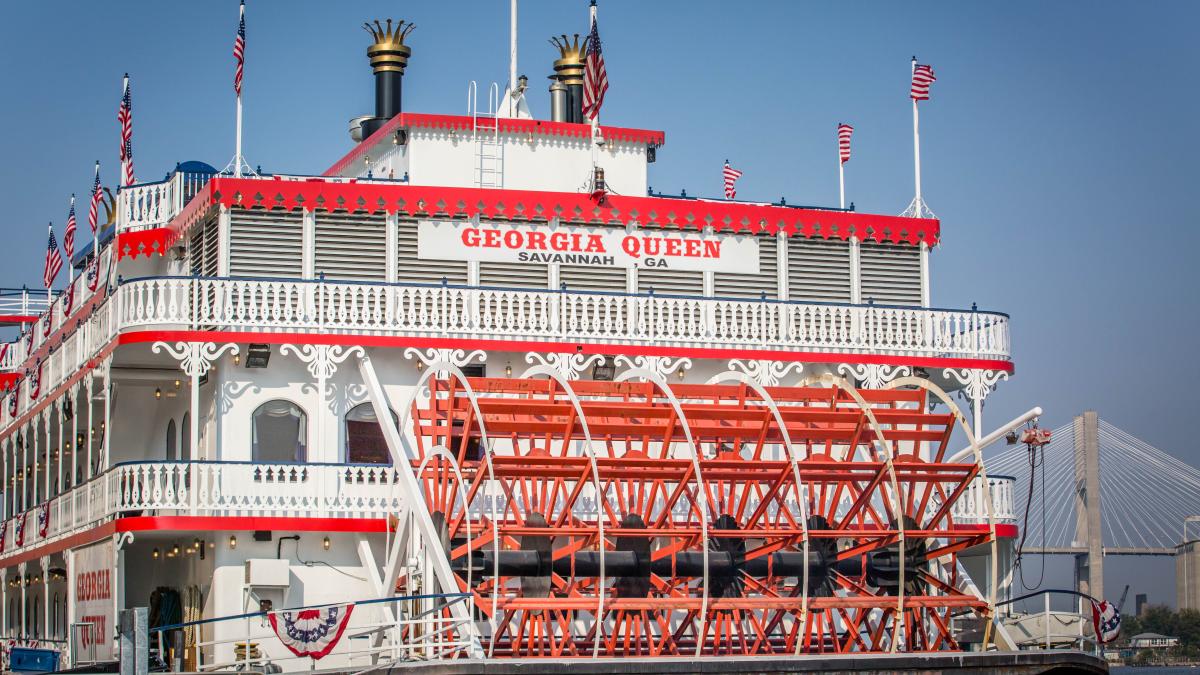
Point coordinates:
[(1099, 491)]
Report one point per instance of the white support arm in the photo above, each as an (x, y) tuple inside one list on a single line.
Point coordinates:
[(1032, 413), (414, 502)]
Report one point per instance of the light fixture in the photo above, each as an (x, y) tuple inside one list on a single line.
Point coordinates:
[(258, 356), (237, 359), (157, 393), (175, 549), (178, 384), (232, 541), (679, 373), (326, 543), (420, 365), (155, 554), (605, 370), (508, 370)]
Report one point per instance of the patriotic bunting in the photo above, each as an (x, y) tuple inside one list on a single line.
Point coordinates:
[(311, 632)]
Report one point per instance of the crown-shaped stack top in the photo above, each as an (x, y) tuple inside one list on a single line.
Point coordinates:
[(389, 53)]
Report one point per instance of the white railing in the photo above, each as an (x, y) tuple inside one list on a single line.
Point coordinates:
[(212, 489), (149, 205), (490, 313), (256, 304), (971, 506)]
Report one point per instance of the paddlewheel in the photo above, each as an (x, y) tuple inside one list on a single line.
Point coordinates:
[(617, 519)]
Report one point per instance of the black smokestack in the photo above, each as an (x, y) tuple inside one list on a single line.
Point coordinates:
[(389, 56), (568, 72)]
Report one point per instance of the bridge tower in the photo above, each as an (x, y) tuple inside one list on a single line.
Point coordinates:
[(1089, 564)]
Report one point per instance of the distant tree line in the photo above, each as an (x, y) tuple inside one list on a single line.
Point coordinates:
[(1163, 620)]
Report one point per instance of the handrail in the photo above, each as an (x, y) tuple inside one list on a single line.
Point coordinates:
[(564, 290)]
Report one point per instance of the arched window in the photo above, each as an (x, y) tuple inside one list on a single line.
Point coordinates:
[(280, 432), (365, 443), (172, 442), (185, 437)]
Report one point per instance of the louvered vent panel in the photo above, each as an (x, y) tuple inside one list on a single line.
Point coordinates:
[(753, 285), (599, 279), (514, 275), (670, 282), (818, 270), (265, 244), (891, 274), (351, 246), (410, 269), (203, 249)]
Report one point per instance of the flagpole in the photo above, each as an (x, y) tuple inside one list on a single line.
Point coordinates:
[(917, 201), (841, 171), (596, 119), (237, 153)]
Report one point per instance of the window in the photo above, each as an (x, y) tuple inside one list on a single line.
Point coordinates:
[(365, 443), (172, 442), (185, 437), (280, 432)]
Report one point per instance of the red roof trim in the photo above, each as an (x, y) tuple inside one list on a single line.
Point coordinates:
[(527, 205), (507, 125), (145, 242)]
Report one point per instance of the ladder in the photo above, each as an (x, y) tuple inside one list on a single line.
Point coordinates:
[(485, 134)]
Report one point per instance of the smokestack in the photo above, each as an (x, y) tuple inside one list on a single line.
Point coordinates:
[(568, 72), (389, 56)]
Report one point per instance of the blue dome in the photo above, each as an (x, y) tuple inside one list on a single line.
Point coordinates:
[(194, 167)]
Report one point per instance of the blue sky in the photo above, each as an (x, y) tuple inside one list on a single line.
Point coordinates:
[(1059, 148)]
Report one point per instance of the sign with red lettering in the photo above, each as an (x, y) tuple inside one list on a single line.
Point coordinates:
[(92, 587), (656, 248)]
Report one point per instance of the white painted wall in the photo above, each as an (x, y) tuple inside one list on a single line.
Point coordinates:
[(531, 162)]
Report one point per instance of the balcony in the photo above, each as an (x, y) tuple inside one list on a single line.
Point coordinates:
[(398, 310), (971, 506), (210, 489), (149, 205), (233, 489)]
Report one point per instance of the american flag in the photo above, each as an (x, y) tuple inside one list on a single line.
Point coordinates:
[(595, 77), (844, 132), (239, 49), (922, 77), (731, 175), (125, 117), (54, 261), (94, 202), (69, 234)]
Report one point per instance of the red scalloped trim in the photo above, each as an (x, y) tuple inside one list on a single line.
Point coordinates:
[(507, 125), (145, 242), (523, 205)]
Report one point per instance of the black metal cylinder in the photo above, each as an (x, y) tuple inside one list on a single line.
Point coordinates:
[(575, 103), (388, 86)]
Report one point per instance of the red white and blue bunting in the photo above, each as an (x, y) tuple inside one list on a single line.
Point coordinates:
[(19, 531), (311, 632), (44, 520), (1106, 620)]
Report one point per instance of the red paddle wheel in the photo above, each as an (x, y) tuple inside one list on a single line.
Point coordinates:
[(720, 520)]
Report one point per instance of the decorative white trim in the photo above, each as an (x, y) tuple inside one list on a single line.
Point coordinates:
[(872, 375), (766, 372), (567, 364), (664, 366), (322, 360), (455, 357), (977, 383), (195, 357)]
